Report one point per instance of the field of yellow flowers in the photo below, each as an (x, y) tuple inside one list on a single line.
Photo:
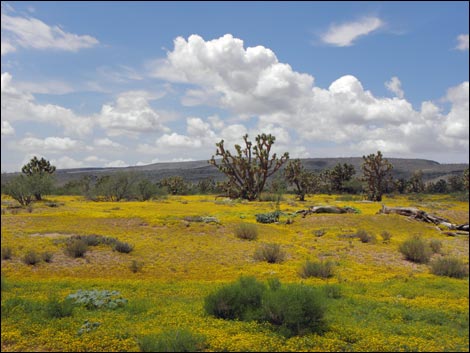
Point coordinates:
[(385, 304)]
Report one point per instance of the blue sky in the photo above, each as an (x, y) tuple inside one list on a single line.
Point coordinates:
[(126, 83)]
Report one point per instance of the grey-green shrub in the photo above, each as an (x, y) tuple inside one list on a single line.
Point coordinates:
[(76, 248), (123, 247), (321, 269), (31, 258), (98, 299), (271, 253), (449, 266), (416, 249), (246, 231), (178, 340), (269, 217), (365, 237)]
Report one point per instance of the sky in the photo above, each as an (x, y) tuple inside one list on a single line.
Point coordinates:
[(115, 84)]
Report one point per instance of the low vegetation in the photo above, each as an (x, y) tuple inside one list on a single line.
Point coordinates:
[(198, 287)]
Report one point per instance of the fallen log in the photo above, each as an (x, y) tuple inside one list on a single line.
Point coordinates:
[(326, 209), (420, 215)]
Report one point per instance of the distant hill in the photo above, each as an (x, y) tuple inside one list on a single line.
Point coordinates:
[(196, 170)]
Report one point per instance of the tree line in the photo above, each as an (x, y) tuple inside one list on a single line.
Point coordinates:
[(247, 171)]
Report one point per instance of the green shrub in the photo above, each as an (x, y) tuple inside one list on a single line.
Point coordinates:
[(271, 253), (436, 246), (55, 309), (7, 253), (47, 256), (319, 232), (319, 269), (246, 231), (97, 299), (240, 300), (178, 340), (365, 237), (31, 258), (449, 266), (136, 266), (270, 217), (122, 247), (295, 309), (416, 250), (333, 291), (386, 236), (76, 247)]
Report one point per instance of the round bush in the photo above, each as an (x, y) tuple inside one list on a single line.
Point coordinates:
[(295, 309), (416, 250), (240, 300), (76, 248), (271, 253), (449, 266), (317, 269), (246, 231)]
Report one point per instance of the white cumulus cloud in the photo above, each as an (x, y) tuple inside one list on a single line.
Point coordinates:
[(394, 86), (130, 114), (49, 144), (21, 105), (7, 129), (252, 83)]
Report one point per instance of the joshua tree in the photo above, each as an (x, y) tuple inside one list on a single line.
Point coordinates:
[(465, 178), (304, 181), (377, 174), (248, 170), (39, 173), (416, 183), (340, 174), (175, 185)]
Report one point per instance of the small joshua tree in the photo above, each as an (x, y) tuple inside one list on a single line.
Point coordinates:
[(340, 174), (305, 182), (39, 172), (250, 167), (377, 174)]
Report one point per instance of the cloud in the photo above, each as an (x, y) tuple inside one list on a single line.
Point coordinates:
[(130, 114), (116, 164), (248, 81), (29, 32), (66, 162), (394, 86), (49, 144), (7, 129), (21, 105), (462, 42), (252, 83), (45, 87), (7, 47), (106, 142), (345, 34)]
